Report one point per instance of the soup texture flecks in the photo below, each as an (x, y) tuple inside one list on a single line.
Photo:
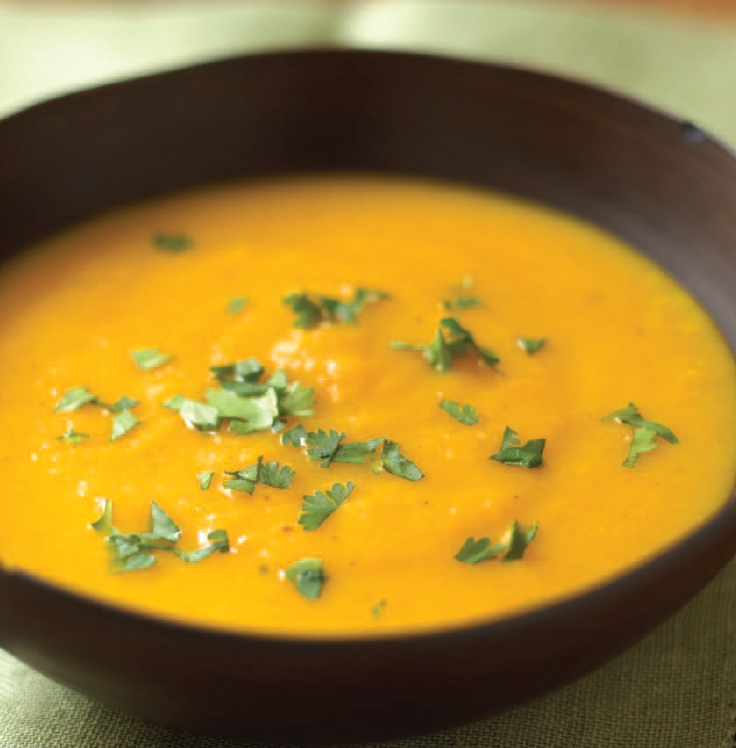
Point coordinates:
[(411, 300)]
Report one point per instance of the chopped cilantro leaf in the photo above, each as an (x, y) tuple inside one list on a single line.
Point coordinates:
[(297, 401), (643, 438), (513, 545), (150, 358), (511, 453), (175, 403), (308, 576), (198, 415), (312, 310), (218, 542), (318, 507), (466, 414), (172, 242), (130, 551), (73, 399), (451, 340), (395, 463), (122, 423), (378, 608), (322, 446), (124, 403), (531, 345), (248, 370), (73, 438), (308, 312), (205, 479), (357, 452), (269, 473), (296, 437), (474, 551), (236, 304), (461, 302)]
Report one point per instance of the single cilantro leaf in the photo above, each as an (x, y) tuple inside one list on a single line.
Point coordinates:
[(474, 551), (322, 446), (308, 312), (122, 423), (245, 480), (357, 452), (318, 507), (124, 403), (395, 463), (511, 453), (531, 345), (460, 340), (205, 479), (72, 437), (260, 410), (378, 608), (461, 302), (175, 403), (236, 304), (297, 401), (643, 437), (466, 414), (296, 437), (517, 539), (74, 399), (248, 370), (150, 358), (103, 524), (274, 475), (172, 242), (308, 576), (218, 542), (162, 529), (199, 416)]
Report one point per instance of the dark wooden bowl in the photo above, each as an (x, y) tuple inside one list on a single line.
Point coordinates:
[(660, 183)]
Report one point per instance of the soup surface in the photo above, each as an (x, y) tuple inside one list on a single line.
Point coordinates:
[(447, 280)]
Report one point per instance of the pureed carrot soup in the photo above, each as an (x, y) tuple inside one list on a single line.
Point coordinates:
[(351, 404)]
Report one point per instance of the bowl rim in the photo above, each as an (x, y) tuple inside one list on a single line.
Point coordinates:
[(719, 526)]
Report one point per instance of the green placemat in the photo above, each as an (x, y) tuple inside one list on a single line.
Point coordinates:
[(677, 689)]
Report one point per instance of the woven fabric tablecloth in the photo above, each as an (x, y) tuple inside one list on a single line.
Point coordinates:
[(677, 688)]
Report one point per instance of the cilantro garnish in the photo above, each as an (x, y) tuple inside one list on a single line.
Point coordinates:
[(195, 414), (461, 302), (296, 437), (124, 403), (392, 461), (322, 445), (511, 453), (311, 309), (205, 479), (643, 438), (248, 370), (378, 608), (132, 551), (512, 545), (531, 345), (150, 358), (308, 576), (72, 437), (269, 473), (466, 414), (74, 399), (318, 507), (236, 304), (451, 340), (122, 423), (327, 447), (172, 242)]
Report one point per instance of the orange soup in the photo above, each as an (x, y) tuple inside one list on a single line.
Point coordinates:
[(350, 405)]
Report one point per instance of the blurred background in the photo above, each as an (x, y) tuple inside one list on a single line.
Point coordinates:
[(677, 54)]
